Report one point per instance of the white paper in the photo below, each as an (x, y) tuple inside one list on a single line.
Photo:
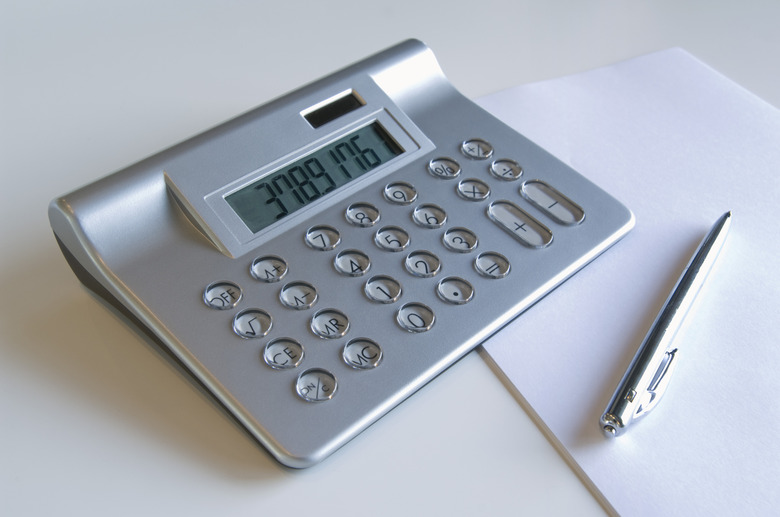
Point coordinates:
[(680, 145)]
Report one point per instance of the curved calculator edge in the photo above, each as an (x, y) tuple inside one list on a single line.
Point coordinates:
[(92, 227)]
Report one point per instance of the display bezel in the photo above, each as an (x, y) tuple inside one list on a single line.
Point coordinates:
[(235, 225), (282, 192)]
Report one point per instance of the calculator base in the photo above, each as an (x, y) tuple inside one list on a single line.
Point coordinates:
[(458, 243), (95, 287)]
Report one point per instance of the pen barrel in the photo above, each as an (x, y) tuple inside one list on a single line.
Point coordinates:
[(648, 374)]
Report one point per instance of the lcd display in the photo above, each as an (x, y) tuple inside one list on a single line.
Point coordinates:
[(286, 190)]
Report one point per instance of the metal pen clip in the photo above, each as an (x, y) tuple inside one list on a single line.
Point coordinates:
[(649, 373), (659, 382)]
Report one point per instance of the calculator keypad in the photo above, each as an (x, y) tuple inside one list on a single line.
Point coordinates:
[(423, 264), (461, 240), (330, 324), (318, 384), (392, 238), (268, 268), (492, 265), (252, 323), (352, 263), (520, 224), (222, 295), (473, 190), (553, 203), (477, 149), (283, 353), (415, 317), (362, 354), (507, 170), (298, 295), (445, 168), (383, 289), (455, 290), (323, 237), (362, 214), (429, 216), (400, 193)]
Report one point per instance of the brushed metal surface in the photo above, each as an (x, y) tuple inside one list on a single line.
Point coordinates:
[(156, 234)]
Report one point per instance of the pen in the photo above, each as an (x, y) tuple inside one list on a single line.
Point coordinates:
[(649, 372)]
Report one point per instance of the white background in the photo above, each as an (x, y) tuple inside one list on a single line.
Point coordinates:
[(92, 420)]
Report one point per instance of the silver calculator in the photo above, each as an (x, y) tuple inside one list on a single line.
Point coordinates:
[(315, 261)]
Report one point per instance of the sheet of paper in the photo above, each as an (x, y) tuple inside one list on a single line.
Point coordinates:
[(680, 145)]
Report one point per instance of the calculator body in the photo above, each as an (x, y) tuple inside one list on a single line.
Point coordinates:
[(315, 261)]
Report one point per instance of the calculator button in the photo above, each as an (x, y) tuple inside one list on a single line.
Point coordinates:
[(508, 170), (352, 263), (552, 202), (268, 269), (520, 224), (473, 190), (283, 353), (415, 317), (400, 193), (222, 295), (323, 237), (383, 289), (392, 238), (446, 168), (330, 324), (362, 214), (316, 385), (422, 263), (461, 240), (455, 290), (492, 265), (298, 295), (252, 323), (362, 354), (429, 216), (476, 149)]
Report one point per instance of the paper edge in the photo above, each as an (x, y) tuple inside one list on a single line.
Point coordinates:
[(547, 432)]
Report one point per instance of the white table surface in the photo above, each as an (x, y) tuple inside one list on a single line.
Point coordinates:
[(92, 420)]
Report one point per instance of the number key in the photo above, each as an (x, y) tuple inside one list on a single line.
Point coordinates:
[(461, 240), (392, 238), (362, 214), (422, 263), (400, 193), (415, 317), (323, 237), (429, 216), (383, 289)]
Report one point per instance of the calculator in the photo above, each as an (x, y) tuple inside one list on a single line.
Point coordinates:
[(315, 261)]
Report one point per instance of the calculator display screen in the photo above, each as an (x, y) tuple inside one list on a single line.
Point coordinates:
[(285, 190)]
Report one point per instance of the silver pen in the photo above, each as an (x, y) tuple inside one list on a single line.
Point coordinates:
[(649, 372)]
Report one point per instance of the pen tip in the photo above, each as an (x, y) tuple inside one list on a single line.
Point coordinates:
[(609, 430)]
